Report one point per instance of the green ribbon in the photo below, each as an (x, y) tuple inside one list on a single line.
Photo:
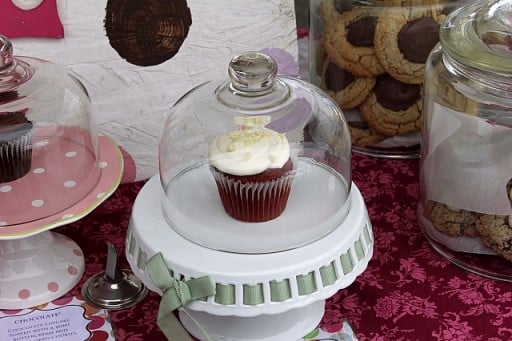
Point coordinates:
[(176, 294)]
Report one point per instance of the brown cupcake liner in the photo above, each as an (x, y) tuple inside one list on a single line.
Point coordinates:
[(15, 158)]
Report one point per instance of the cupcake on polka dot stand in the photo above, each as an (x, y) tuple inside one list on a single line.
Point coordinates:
[(54, 169)]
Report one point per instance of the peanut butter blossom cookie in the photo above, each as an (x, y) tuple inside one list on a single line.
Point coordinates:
[(252, 168), (348, 42), (403, 40), (330, 10), (393, 108), (362, 135), (347, 89)]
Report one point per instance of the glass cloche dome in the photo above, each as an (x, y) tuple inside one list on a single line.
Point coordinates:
[(258, 163), (48, 139)]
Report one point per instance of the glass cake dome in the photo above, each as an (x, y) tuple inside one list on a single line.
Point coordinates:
[(48, 140), (257, 163)]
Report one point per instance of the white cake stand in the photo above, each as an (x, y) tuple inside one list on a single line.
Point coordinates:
[(36, 264), (268, 296)]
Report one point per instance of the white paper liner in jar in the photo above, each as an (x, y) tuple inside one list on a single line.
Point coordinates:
[(469, 162)]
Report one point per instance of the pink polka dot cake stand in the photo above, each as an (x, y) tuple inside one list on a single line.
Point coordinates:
[(36, 264)]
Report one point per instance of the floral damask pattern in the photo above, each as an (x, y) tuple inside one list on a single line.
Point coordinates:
[(408, 292)]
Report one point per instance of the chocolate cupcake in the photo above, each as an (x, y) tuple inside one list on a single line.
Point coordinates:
[(252, 169), (15, 146)]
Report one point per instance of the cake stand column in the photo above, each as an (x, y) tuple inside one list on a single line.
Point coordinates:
[(38, 269), (290, 325)]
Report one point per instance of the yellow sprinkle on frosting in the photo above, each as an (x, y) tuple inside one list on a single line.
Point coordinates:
[(249, 151)]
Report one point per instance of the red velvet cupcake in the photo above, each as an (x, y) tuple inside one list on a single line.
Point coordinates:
[(253, 172)]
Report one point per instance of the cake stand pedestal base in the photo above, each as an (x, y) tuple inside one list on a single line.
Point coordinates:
[(290, 325), (265, 296), (38, 269)]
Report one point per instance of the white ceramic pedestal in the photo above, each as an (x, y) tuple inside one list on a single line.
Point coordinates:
[(38, 269), (311, 273), (290, 325)]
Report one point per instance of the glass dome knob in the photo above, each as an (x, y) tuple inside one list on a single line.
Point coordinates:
[(252, 72), (5, 52)]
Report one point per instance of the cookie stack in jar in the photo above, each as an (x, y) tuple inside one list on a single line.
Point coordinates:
[(465, 197), (369, 56)]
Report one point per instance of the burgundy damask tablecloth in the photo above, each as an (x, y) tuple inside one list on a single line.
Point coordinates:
[(408, 292)]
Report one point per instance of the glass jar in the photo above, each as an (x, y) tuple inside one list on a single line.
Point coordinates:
[(369, 56), (465, 206), (49, 157), (237, 198)]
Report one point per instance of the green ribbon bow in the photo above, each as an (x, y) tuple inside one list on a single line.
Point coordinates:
[(176, 294)]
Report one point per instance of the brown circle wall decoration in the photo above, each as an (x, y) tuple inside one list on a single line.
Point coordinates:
[(147, 32)]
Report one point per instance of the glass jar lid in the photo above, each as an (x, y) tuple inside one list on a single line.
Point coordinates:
[(48, 139), (257, 163), (479, 35)]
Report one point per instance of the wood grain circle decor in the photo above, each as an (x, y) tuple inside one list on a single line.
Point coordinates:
[(147, 32)]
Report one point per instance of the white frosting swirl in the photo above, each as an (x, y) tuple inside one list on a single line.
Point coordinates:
[(249, 151)]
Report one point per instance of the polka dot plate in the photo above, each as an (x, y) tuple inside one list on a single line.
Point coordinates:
[(59, 172)]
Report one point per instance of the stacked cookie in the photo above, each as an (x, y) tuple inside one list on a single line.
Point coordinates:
[(494, 231), (373, 60)]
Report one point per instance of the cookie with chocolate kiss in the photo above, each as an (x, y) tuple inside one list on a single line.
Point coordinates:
[(362, 135), (348, 42), (330, 10), (404, 38), (393, 107), (347, 89)]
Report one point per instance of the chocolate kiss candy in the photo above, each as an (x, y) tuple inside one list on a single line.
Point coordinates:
[(360, 32), (417, 38), (395, 95), (336, 78)]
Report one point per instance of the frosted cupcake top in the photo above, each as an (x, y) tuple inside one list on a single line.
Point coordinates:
[(250, 150)]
